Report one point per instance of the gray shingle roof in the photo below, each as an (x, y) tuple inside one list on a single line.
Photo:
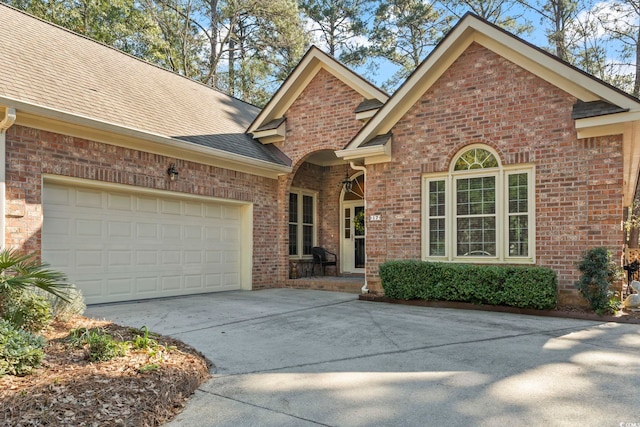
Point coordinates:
[(48, 66), (273, 124), (378, 140), (582, 110), (367, 105)]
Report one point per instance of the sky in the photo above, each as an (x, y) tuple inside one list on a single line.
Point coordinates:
[(537, 37)]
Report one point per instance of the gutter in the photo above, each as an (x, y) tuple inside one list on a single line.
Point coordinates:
[(8, 118), (45, 118)]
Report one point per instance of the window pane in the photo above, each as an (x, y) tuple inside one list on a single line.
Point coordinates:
[(307, 209), (518, 235), (518, 193), (476, 196), (293, 207), (293, 239), (436, 198), (347, 223), (437, 237), (476, 236), (307, 239), (476, 158)]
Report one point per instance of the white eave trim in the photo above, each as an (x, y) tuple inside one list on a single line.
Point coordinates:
[(44, 118), (269, 136), (609, 124), (363, 116), (370, 155)]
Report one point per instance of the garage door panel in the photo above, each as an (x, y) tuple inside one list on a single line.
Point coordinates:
[(91, 289), (88, 228), (118, 246), (231, 212), (170, 207), (170, 232), (57, 196), (119, 287), (118, 229), (86, 198), (193, 258), (120, 202), (193, 209), (193, 282), (147, 285), (171, 283), (120, 258), (193, 232), (213, 211), (89, 259), (60, 227), (59, 257)]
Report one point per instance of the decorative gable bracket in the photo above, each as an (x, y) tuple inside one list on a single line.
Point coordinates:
[(273, 131)]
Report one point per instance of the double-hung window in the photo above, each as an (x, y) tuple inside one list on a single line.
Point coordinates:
[(302, 222), (480, 211)]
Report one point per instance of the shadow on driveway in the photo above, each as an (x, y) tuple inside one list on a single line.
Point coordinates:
[(288, 357)]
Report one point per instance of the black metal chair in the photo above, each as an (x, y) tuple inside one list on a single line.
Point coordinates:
[(321, 257)]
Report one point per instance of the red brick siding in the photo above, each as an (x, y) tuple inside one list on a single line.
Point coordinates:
[(31, 153), (321, 118), (483, 98)]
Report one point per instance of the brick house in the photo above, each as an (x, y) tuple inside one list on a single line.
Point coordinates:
[(492, 151)]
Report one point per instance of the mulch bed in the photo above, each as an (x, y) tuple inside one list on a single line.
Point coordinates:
[(624, 316), (70, 390)]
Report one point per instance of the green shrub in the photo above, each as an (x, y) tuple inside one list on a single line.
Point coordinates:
[(517, 286), (143, 342), (20, 351), (26, 310), (99, 344), (599, 273), (24, 271)]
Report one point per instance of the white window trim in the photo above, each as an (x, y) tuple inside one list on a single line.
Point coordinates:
[(502, 230), (314, 194)]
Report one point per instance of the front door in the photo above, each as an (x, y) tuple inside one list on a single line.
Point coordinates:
[(353, 236)]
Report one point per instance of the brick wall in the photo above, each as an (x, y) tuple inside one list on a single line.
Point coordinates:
[(321, 118), (486, 99), (31, 153)]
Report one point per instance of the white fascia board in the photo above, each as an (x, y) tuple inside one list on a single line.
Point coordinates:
[(608, 120), (44, 118), (271, 135), (382, 153), (363, 116)]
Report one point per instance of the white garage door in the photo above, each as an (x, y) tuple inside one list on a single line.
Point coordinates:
[(118, 246)]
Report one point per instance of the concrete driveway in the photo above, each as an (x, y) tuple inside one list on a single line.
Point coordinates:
[(307, 358)]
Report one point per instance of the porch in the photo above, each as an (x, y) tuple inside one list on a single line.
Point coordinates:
[(349, 283)]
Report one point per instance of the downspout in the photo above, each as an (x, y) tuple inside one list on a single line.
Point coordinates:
[(7, 121), (364, 289)]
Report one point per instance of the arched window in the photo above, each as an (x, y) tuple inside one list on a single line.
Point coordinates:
[(480, 211)]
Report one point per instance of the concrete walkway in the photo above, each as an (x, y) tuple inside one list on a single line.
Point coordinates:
[(310, 358)]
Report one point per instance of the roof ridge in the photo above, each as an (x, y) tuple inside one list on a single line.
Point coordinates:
[(144, 61)]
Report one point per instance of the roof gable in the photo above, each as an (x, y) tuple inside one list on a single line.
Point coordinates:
[(308, 67), (472, 29)]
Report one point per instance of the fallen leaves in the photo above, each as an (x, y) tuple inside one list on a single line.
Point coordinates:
[(69, 390)]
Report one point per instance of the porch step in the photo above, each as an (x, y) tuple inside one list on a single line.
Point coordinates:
[(349, 284)]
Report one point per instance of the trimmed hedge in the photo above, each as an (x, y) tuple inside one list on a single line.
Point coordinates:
[(516, 286)]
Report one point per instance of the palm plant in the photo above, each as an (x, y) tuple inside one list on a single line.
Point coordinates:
[(19, 271)]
